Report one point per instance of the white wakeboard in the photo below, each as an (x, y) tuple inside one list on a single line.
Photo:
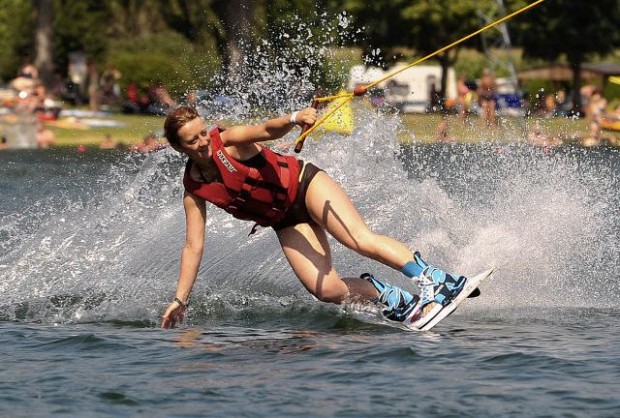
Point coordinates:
[(439, 312)]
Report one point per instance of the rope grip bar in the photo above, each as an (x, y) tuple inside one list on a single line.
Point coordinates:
[(300, 144)]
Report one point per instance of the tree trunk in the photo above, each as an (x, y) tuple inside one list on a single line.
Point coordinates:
[(44, 32), (237, 21), (577, 105), (444, 61)]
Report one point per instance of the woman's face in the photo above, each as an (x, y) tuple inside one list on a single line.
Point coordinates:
[(194, 140)]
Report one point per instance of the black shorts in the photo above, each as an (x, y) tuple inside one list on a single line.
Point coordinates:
[(298, 213), (486, 97)]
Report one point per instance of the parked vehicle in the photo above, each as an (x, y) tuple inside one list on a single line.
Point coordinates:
[(411, 91)]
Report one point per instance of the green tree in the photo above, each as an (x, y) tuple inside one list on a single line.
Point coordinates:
[(131, 19), (577, 30), (44, 35), (165, 57), (167, 41), (422, 26), (80, 26), (16, 39), (196, 20), (384, 28), (436, 24), (305, 38)]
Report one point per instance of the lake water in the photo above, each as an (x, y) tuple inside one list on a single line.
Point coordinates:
[(89, 254)]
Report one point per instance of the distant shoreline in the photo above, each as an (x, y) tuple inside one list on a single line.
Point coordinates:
[(416, 128)]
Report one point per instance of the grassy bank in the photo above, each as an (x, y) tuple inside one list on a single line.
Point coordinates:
[(418, 127), (131, 130), (425, 128)]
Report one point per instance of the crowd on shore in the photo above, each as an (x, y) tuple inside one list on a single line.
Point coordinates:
[(28, 108), (481, 99), (27, 102)]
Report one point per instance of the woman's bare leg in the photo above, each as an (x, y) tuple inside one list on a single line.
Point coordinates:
[(307, 251), (331, 208)]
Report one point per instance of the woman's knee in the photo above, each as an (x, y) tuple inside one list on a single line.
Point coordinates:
[(364, 242), (333, 293), (331, 298)]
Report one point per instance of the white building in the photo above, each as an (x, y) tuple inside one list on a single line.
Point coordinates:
[(410, 90)]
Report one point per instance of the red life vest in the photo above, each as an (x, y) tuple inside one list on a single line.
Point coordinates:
[(262, 195)]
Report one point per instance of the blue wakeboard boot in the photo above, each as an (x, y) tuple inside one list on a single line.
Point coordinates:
[(399, 305), (435, 284)]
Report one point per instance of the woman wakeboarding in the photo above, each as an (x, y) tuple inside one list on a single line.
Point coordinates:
[(301, 203)]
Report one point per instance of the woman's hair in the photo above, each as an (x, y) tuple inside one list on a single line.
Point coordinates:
[(175, 120)]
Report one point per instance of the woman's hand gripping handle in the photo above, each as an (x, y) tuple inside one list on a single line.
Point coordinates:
[(307, 121)]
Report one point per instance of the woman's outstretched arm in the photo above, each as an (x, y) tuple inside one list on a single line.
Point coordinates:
[(195, 218), (268, 130)]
